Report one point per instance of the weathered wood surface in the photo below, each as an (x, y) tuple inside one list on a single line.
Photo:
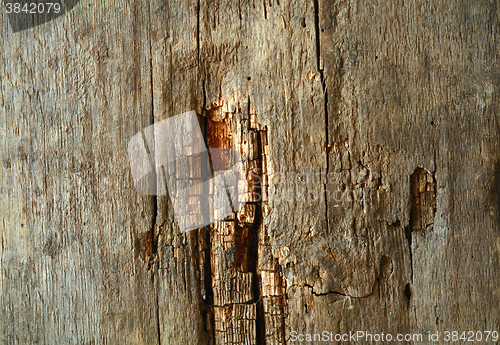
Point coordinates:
[(369, 128)]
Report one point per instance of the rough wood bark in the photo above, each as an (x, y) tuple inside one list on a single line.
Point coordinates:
[(368, 129)]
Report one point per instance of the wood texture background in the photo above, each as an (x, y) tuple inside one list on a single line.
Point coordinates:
[(395, 102)]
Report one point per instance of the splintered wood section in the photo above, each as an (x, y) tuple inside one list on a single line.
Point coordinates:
[(234, 305), (234, 241), (219, 135), (273, 307), (423, 199), (274, 298)]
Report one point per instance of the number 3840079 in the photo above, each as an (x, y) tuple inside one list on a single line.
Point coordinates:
[(33, 8), (471, 336)]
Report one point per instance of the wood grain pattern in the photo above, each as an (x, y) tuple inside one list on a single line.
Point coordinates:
[(371, 127)]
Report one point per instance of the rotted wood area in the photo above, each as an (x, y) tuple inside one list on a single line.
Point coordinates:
[(238, 309)]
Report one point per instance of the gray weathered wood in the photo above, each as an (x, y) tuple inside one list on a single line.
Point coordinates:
[(370, 129)]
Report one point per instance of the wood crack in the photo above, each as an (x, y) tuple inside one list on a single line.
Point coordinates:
[(422, 208), (152, 236), (198, 34), (334, 292)]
